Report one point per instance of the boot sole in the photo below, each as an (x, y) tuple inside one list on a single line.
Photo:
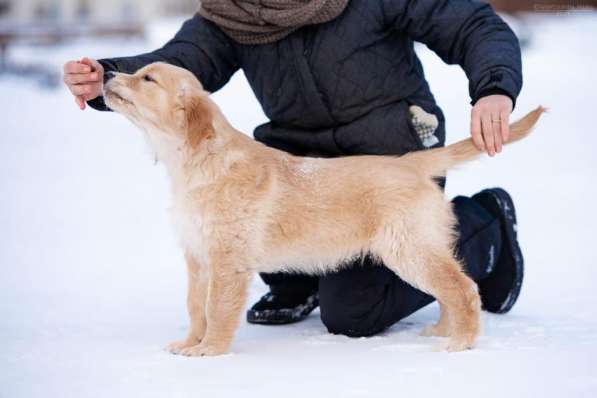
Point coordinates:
[(283, 316), (507, 216)]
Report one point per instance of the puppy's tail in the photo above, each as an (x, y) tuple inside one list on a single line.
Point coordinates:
[(435, 162)]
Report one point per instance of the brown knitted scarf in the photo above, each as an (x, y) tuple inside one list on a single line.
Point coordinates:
[(267, 21)]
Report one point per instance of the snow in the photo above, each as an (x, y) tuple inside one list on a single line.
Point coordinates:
[(93, 283), (307, 166)]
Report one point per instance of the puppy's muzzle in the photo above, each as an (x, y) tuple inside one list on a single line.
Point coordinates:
[(111, 91)]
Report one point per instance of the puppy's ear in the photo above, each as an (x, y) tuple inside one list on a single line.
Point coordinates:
[(198, 120)]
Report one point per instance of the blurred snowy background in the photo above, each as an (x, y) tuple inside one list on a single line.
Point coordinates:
[(92, 283)]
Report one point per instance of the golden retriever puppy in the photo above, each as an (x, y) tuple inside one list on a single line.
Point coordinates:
[(241, 207)]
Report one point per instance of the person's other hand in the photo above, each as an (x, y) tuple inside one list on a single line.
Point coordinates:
[(84, 79), (489, 123)]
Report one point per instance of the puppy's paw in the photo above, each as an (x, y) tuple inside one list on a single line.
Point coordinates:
[(435, 330), (204, 350), (177, 346), (460, 344)]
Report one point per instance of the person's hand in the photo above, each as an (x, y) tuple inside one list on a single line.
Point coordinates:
[(489, 123), (84, 79)]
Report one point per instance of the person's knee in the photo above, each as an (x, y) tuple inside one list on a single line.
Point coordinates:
[(334, 316), (341, 321), (351, 301)]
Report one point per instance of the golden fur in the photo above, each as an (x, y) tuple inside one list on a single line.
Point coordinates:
[(241, 207)]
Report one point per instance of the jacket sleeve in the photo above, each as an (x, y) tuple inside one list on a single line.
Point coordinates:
[(464, 32), (199, 46)]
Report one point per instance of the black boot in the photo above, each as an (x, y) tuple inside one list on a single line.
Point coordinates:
[(500, 289), (281, 307)]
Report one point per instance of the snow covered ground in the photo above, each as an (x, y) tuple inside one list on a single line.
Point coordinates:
[(92, 283)]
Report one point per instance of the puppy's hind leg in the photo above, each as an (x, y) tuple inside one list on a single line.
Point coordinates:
[(442, 327), (451, 286), (442, 277)]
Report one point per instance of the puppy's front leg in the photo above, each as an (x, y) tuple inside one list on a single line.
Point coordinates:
[(226, 298), (196, 300)]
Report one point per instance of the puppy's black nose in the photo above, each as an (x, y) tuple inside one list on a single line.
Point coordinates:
[(109, 75)]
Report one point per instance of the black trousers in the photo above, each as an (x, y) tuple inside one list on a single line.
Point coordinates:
[(365, 298)]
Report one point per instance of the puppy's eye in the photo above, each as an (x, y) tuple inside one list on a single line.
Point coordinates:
[(148, 78)]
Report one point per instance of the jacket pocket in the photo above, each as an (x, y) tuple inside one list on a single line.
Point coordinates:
[(386, 130)]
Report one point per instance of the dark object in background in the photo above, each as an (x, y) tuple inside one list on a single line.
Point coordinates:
[(542, 6), (515, 12), (50, 34)]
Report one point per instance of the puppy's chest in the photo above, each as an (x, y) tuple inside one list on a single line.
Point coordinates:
[(192, 225)]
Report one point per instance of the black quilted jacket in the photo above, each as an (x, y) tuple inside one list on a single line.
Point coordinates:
[(344, 87)]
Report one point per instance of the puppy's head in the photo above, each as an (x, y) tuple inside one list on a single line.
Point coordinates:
[(163, 99)]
